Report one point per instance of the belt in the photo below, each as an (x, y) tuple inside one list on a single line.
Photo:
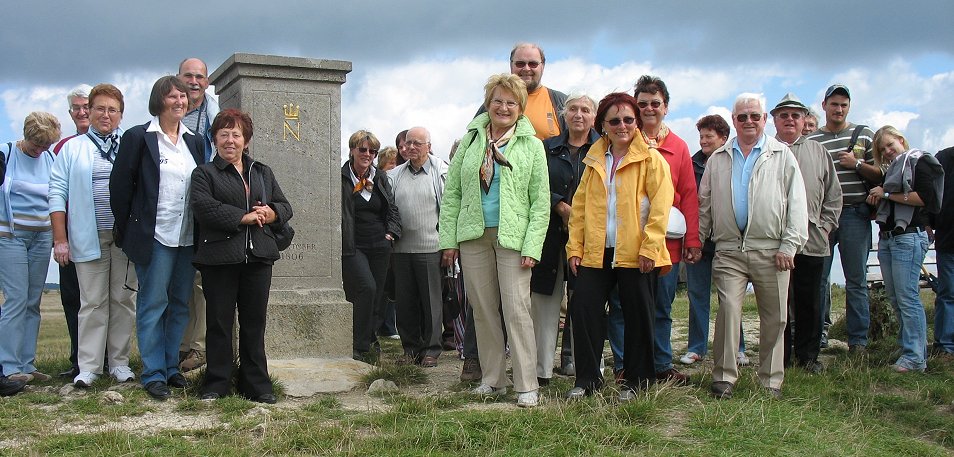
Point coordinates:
[(888, 234)]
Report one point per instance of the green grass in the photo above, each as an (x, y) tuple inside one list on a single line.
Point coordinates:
[(858, 406)]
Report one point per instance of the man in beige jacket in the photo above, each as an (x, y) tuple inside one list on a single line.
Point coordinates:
[(758, 221), (823, 198)]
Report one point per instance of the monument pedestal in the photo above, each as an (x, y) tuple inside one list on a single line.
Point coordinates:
[(295, 106)]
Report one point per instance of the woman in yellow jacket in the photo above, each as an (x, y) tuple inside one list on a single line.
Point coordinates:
[(618, 239)]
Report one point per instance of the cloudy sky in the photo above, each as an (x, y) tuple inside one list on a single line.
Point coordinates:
[(423, 62)]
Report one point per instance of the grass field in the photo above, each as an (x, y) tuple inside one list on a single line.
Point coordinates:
[(856, 407)]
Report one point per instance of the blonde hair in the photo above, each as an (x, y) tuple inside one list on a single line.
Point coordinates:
[(41, 128), (509, 82), (877, 150), (386, 155), (361, 136)]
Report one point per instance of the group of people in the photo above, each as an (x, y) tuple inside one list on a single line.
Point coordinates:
[(599, 204), (130, 216), (548, 199)]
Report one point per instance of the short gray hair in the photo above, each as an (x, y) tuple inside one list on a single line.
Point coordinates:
[(80, 91), (574, 96), (749, 96)]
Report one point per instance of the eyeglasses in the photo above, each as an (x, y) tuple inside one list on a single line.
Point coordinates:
[(373, 152), (101, 110), (499, 102), (416, 144), (744, 117), (626, 120), (655, 104), (786, 115), (524, 63), (78, 108)]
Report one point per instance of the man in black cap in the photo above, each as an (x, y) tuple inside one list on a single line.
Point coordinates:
[(823, 195), (849, 146)]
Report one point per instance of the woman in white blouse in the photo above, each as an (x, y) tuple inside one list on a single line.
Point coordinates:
[(149, 195)]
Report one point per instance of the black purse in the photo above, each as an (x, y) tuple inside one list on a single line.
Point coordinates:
[(284, 233)]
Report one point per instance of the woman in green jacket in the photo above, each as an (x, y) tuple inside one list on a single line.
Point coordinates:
[(494, 215)]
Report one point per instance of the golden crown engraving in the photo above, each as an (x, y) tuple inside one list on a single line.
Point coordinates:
[(291, 111)]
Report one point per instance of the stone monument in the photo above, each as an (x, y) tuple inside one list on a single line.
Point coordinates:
[(295, 106)]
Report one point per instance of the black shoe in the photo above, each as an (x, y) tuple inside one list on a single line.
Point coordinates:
[(72, 373), (265, 398), (814, 367), (824, 341), (158, 390), (209, 396), (543, 382), (10, 387), (178, 381), (722, 390)]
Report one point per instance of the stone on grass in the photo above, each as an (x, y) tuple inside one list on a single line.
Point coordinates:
[(69, 390), (112, 397), (382, 386)]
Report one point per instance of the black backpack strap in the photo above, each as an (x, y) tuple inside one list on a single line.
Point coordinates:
[(854, 137), (6, 157)]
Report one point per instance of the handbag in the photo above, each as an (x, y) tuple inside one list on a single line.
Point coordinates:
[(284, 233), (676, 228)]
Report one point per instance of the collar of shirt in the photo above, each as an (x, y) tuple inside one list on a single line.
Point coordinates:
[(154, 127), (756, 149), (417, 171)]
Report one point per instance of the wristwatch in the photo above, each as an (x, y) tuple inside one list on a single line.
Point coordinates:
[(886, 195), (857, 165)]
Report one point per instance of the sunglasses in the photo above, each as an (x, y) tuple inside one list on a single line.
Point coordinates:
[(626, 120), (744, 117), (655, 104), (373, 152), (522, 63), (786, 115)]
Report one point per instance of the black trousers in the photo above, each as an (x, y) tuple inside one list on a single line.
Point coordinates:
[(804, 310), (242, 286), (364, 275), (419, 302), (70, 298), (588, 311)]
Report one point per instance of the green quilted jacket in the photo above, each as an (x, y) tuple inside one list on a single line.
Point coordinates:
[(524, 191)]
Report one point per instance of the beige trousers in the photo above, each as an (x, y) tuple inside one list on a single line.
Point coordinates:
[(731, 273), (495, 282), (546, 323), (194, 336), (107, 309)]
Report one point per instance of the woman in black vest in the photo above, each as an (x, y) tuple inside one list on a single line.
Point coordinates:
[(370, 225)]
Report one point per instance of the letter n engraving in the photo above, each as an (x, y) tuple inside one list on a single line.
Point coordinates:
[(292, 124)]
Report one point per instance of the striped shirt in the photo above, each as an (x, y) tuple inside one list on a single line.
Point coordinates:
[(854, 188), (104, 214), (24, 192)]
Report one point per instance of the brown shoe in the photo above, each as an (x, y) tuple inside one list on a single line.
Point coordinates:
[(672, 375), (471, 371), (42, 377), (194, 360), (428, 361), (722, 390)]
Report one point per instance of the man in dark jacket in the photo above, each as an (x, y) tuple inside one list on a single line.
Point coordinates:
[(944, 252)]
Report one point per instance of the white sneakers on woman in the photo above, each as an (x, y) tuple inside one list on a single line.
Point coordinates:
[(528, 399)]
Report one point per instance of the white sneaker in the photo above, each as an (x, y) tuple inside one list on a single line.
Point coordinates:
[(528, 399), (690, 358), (742, 359), (486, 389), (85, 379), (122, 374)]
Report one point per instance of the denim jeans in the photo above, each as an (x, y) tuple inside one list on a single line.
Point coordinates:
[(944, 303), (853, 237), (900, 258), (25, 258), (162, 309), (699, 289)]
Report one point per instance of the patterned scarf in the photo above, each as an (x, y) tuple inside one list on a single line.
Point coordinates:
[(107, 144), (364, 182), (492, 154), (660, 138)]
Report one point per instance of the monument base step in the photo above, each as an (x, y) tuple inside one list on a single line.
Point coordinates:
[(310, 376)]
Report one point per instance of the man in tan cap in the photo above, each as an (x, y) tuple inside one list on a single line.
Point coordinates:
[(823, 198)]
